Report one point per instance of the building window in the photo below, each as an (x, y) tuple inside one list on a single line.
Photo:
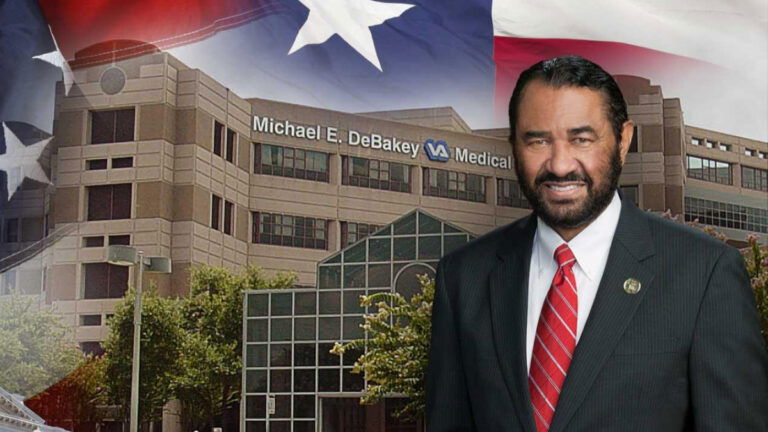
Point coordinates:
[(290, 162), (452, 184), (352, 232), (749, 152), (122, 162), (635, 138), (90, 320), (103, 280), (709, 170), (93, 241), (112, 126), (122, 239), (376, 174), (508, 193), (285, 230), (229, 155), (726, 215), (724, 147), (754, 178), (229, 215), (109, 202), (96, 164), (632, 193), (11, 232), (761, 155), (218, 136), (696, 141), (215, 211), (710, 144)]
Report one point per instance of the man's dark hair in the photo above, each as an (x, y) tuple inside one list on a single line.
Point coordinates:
[(571, 71)]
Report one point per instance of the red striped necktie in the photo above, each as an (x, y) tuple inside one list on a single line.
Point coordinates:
[(555, 340)]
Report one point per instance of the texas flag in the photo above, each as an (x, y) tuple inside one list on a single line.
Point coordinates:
[(370, 55)]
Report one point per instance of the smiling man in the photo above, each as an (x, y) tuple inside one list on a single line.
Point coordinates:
[(590, 314)]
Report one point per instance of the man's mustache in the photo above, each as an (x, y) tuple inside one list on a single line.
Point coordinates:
[(570, 177)]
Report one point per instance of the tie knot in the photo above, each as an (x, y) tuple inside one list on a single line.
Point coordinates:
[(564, 256)]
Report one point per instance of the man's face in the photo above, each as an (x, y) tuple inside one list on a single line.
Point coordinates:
[(566, 155)]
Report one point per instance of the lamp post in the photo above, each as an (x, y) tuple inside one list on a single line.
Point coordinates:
[(129, 256)]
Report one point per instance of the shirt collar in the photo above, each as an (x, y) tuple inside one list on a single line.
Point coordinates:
[(590, 247)]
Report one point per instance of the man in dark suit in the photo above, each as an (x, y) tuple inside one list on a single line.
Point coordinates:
[(590, 314)]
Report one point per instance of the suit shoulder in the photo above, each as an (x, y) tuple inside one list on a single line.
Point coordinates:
[(487, 244), (674, 235)]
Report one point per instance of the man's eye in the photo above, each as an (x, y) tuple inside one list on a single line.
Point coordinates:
[(537, 142), (581, 140)]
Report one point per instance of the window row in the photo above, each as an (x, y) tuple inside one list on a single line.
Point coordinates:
[(290, 162), (757, 153), (98, 241), (709, 143), (709, 170), (102, 164), (303, 231), (726, 215), (379, 174)]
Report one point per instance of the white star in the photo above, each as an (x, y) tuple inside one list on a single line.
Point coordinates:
[(20, 161), (57, 59), (350, 19)]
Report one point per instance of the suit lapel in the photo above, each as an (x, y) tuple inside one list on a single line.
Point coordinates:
[(509, 300), (611, 312)]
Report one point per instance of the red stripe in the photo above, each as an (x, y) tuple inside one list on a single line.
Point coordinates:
[(513, 55), (117, 29)]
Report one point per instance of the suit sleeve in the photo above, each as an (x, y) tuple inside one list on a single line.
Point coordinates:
[(729, 362), (448, 408)]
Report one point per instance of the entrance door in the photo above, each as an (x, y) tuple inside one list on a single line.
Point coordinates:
[(347, 415)]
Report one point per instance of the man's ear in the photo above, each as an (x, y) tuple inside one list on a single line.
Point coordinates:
[(627, 131)]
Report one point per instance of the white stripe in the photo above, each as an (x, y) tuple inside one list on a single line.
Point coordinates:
[(566, 262), (575, 291), (546, 374), (550, 354), (533, 381), (651, 24), (567, 302), (557, 339), (546, 301), (541, 417)]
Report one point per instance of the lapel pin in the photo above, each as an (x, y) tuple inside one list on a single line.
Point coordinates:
[(632, 286)]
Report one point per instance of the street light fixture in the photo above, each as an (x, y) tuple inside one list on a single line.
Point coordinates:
[(127, 256)]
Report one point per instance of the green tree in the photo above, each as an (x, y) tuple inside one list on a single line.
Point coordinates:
[(37, 349), (162, 336), (395, 362), (210, 362)]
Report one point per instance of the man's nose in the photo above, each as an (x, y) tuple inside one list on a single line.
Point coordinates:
[(562, 161)]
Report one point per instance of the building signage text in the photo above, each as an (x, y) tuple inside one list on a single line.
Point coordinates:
[(436, 150)]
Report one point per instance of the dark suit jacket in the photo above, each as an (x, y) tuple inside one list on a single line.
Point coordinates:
[(684, 353)]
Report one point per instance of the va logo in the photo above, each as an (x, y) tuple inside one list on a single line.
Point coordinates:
[(437, 150)]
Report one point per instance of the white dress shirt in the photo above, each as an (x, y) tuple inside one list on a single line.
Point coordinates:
[(590, 247)]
